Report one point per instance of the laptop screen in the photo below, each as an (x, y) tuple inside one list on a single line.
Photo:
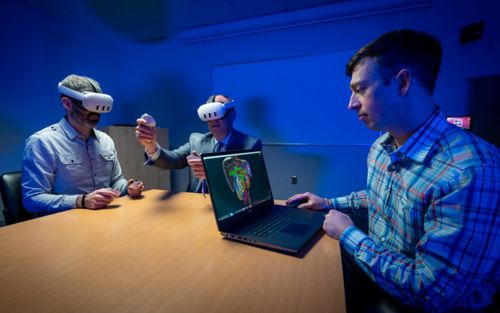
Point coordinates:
[(238, 182)]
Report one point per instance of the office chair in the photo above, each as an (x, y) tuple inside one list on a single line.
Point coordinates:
[(495, 306), (10, 188)]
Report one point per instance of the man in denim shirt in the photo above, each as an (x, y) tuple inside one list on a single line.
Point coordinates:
[(71, 164)]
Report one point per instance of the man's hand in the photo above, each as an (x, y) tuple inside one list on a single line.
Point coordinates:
[(307, 201), (194, 161), (100, 198), (336, 223), (146, 135), (135, 188)]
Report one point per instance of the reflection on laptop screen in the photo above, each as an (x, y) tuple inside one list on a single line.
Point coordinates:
[(237, 181)]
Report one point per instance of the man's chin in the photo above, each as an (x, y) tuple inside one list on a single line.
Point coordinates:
[(93, 119), (217, 132), (372, 126), (215, 129), (92, 123)]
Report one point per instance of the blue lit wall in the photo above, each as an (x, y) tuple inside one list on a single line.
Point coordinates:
[(169, 78)]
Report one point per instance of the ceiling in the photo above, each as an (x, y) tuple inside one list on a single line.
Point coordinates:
[(188, 14), (149, 20)]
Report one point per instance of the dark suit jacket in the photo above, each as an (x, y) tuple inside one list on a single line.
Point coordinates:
[(202, 143)]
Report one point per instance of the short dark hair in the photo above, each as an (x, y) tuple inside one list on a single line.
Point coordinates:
[(418, 51), (211, 98), (81, 83)]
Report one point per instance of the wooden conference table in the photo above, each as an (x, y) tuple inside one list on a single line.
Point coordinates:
[(160, 253)]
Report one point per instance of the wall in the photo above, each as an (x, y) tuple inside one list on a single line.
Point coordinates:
[(37, 52), (181, 75), (170, 78)]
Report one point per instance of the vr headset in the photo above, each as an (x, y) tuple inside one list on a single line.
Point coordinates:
[(91, 101), (214, 110)]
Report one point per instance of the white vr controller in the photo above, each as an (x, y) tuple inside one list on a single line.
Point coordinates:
[(150, 121), (214, 110), (92, 101)]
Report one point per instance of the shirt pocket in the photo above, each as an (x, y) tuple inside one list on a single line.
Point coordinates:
[(72, 165), (105, 162), (70, 160)]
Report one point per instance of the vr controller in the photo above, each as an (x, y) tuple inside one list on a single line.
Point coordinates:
[(92, 101), (214, 110), (150, 121)]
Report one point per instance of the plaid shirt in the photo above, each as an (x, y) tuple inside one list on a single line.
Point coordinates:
[(434, 218)]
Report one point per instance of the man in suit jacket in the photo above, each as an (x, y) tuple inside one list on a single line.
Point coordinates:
[(222, 137)]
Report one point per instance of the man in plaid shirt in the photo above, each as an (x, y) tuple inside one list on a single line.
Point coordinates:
[(432, 195)]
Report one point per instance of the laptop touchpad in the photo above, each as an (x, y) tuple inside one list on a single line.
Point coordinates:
[(296, 229)]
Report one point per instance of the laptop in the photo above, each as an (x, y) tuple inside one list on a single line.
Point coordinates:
[(244, 206)]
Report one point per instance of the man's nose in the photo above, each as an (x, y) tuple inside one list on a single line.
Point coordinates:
[(354, 103)]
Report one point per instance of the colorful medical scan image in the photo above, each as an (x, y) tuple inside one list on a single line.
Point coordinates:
[(238, 174)]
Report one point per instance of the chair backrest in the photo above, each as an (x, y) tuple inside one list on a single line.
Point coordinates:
[(495, 306), (10, 188)]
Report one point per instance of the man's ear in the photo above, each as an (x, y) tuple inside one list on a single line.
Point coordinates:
[(66, 102), (404, 79), (232, 115)]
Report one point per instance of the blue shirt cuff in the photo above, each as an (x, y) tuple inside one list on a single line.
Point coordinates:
[(151, 158), (351, 239), (340, 203), (70, 202)]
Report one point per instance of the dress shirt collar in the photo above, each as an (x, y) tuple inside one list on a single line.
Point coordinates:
[(71, 132), (226, 139), (418, 146)]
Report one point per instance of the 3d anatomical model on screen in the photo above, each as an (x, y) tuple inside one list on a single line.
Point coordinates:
[(238, 174)]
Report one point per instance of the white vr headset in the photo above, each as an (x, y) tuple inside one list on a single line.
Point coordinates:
[(214, 110), (92, 101)]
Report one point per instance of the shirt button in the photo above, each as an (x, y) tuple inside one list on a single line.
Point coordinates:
[(382, 239)]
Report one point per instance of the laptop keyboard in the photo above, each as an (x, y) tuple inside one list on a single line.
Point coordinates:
[(274, 221)]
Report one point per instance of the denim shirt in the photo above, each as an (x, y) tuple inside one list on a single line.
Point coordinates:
[(59, 164)]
